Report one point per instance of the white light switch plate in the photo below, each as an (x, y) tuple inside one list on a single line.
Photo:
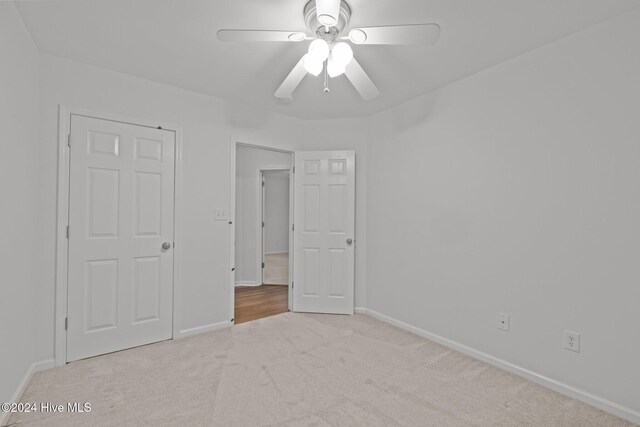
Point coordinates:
[(220, 215)]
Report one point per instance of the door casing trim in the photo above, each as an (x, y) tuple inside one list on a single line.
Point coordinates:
[(62, 214)]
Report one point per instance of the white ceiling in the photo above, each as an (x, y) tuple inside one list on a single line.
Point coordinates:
[(174, 42)]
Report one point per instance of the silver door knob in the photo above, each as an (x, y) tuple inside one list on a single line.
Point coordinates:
[(349, 241), (166, 246)]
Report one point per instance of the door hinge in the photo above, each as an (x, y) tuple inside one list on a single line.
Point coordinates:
[(293, 227), (66, 323), (263, 265), (67, 231), (291, 285), (69, 140), (262, 224), (294, 169)]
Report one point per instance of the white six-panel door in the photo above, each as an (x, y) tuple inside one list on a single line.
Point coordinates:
[(324, 220), (121, 207)]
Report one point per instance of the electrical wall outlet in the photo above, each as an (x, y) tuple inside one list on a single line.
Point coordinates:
[(572, 341), (503, 322)]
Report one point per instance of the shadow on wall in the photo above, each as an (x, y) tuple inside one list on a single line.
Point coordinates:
[(412, 113), (242, 116)]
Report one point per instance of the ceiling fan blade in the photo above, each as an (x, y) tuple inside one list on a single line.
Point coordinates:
[(260, 36), (285, 91), (396, 34), (361, 81)]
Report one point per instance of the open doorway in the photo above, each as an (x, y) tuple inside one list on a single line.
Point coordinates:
[(276, 187), (262, 232)]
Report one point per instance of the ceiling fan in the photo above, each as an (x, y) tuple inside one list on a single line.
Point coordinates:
[(329, 50)]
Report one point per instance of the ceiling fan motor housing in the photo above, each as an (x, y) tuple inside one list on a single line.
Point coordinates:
[(327, 33)]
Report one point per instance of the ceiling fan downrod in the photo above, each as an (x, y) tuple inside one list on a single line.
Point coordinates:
[(326, 78)]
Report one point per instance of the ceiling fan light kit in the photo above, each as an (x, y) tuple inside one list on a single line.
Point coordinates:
[(342, 53), (319, 49), (312, 64), (335, 69), (327, 21)]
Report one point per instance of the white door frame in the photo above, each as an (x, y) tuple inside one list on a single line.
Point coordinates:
[(232, 218), (62, 219), (260, 228)]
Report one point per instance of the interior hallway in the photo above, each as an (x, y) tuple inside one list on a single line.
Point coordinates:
[(256, 302), (276, 269)]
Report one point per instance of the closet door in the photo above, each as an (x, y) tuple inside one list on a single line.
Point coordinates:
[(121, 206)]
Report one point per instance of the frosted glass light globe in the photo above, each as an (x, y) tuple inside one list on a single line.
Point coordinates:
[(342, 53), (312, 65), (334, 69), (319, 49)]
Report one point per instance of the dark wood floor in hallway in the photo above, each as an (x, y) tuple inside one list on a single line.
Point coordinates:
[(256, 302)]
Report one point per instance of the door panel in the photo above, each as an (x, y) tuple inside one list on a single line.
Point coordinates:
[(337, 272), (148, 204), (311, 269), (311, 208), (103, 189), (337, 208), (324, 222), (146, 292), (101, 294), (120, 291)]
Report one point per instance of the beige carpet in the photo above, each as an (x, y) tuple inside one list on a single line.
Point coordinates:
[(276, 269), (300, 370)]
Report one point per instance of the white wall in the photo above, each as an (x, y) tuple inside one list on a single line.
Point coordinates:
[(249, 161), (516, 191), (19, 244), (276, 212), (209, 124)]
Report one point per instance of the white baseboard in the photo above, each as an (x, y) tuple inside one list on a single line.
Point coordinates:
[(255, 284), (360, 310), (17, 395), (202, 329), (575, 393), (276, 253), (247, 283)]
